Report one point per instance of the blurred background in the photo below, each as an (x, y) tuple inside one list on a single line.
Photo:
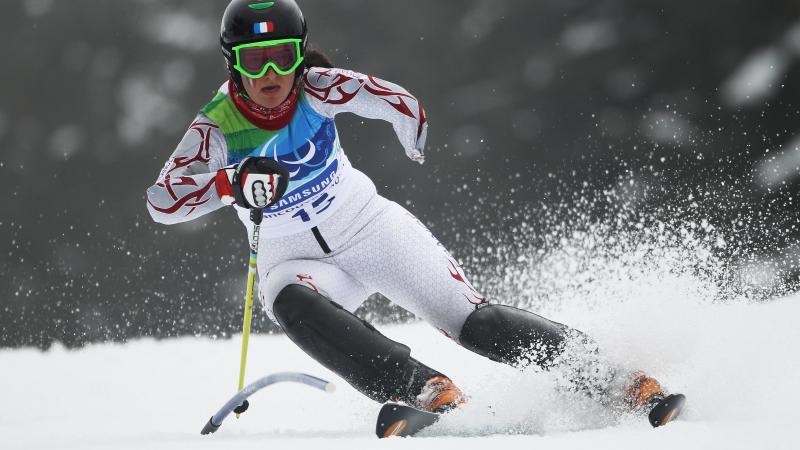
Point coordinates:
[(546, 117)]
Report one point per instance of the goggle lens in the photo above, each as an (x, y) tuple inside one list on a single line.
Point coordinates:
[(253, 61)]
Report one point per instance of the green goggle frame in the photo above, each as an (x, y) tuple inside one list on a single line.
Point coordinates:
[(298, 58)]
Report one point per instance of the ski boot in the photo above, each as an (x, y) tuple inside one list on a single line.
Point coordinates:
[(439, 395), (645, 394)]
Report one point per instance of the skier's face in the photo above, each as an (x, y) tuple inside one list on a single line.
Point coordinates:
[(270, 90)]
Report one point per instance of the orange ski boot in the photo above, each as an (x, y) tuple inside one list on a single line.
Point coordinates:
[(645, 394), (439, 395)]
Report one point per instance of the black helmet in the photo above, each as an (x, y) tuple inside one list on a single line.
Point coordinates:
[(247, 21)]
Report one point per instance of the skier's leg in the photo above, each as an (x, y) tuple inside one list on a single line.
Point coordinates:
[(520, 338), (514, 336), (422, 277), (401, 259), (297, 294), (398, 257)]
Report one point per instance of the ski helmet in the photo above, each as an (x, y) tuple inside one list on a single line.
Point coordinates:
[(253, 21)]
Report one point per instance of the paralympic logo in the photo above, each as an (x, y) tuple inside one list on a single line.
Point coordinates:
[(305, 160)]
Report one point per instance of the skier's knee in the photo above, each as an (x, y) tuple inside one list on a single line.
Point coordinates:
[(277, 278), (297, 306), (290, 303), (513, 336), (342, 342)]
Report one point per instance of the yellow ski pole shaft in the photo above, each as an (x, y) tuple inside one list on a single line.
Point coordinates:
[(248, 315), (255, 215)]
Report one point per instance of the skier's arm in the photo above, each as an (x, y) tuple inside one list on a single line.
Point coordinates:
[(185, 188), (332, 91)]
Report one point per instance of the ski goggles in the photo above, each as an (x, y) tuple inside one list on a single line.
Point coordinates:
[(254, 60)]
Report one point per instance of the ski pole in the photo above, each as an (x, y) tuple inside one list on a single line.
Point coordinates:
[(215, 422), (279, 174), (255, 216)]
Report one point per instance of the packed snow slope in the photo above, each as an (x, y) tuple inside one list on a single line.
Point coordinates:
[(737, 363)]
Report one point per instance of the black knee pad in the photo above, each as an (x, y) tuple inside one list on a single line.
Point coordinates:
[(513, 336), (345, 344)]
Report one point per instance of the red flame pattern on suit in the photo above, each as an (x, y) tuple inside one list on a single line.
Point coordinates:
[(192, 199), (455, 271), (336, 94), (375, 88), (202, 155), (305, 279), (196, 197)]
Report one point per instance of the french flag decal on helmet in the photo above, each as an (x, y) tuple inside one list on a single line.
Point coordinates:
[(263, 27)]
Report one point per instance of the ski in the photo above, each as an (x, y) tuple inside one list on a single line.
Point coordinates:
[(403, 421), (666, 410)]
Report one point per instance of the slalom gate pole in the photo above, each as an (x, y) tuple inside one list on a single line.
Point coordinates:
[(256, 215)]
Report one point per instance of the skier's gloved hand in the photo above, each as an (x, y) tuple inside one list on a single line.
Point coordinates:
[(257, 189), (417, 152), (253, 183)]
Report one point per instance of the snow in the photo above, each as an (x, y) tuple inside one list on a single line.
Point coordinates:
[(737, 363)]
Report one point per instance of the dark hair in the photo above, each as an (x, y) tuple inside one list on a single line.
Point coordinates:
[(316, 58)]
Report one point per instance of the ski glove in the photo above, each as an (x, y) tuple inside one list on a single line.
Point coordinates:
[(253, 183)]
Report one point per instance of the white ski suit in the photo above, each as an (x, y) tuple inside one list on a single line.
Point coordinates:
[(331, 231)]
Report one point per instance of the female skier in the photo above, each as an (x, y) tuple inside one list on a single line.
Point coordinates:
[(330, 241)]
